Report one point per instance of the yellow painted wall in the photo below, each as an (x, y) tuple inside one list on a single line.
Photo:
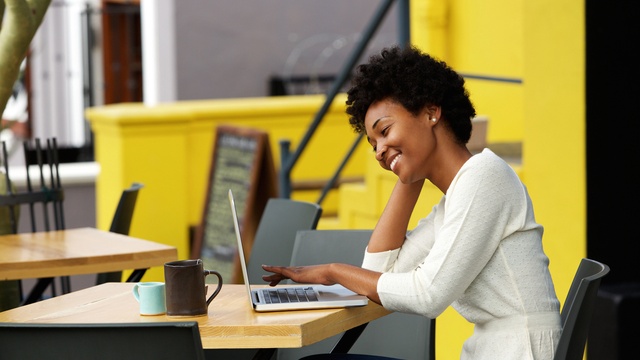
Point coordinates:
[(482, 38), (555, 130), (169, 149)]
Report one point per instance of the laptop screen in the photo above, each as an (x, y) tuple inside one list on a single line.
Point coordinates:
[(243, 262)]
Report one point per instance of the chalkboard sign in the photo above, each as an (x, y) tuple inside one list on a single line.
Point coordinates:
[(242, 162)]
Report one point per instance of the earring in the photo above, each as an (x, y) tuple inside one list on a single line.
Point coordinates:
[(434, 119)]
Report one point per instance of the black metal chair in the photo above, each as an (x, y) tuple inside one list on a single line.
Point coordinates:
[(121, 224), (577, 310), (123, 341), (49, 197)]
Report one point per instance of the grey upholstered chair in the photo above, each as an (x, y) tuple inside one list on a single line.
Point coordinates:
[(272, 244), (397, 335), (276, 233)]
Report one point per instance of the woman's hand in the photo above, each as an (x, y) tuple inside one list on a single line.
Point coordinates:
[(354, 278), (315, 274)]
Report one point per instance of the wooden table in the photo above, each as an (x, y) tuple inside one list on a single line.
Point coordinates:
[(230, 323), (77, 251)]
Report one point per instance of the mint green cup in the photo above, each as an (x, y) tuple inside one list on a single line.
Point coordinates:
[(151, 296)]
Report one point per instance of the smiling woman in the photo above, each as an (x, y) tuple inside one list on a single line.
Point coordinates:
[(479, 250)]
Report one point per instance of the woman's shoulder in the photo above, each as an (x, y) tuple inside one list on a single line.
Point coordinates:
[(487, 160), (487, 168)]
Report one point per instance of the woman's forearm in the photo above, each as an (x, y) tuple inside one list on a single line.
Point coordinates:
[(392, 226), (356, 279)]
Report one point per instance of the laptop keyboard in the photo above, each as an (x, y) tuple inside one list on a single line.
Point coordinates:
[(290, 295)]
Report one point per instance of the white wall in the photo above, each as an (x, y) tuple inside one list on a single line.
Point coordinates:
[(57, 97), (229, 48)]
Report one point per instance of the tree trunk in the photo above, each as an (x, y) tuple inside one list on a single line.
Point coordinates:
[(23, 17)]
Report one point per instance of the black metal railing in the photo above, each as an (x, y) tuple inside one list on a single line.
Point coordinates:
[(287, 158)]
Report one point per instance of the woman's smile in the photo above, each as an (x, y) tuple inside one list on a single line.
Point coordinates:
[(394, 162)]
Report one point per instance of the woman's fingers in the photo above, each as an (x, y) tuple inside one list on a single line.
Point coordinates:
[(275, 278)]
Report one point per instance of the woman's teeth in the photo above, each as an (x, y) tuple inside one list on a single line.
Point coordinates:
[(394, 162)]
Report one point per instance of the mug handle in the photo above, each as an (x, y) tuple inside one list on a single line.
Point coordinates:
[(215, 293), (136, 294)]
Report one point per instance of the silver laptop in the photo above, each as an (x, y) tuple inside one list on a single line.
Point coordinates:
[(294, 297)]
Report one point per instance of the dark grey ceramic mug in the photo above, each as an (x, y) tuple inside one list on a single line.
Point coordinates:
[(185, 287)]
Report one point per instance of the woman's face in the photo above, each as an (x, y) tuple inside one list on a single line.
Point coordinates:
[(401, 141)]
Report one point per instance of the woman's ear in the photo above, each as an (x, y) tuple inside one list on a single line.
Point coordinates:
[(433, 113)]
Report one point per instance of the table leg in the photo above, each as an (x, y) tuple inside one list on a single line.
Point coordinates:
[(348, 339), (264, 354)]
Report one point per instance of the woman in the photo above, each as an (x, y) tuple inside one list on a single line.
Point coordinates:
[(480, 248)]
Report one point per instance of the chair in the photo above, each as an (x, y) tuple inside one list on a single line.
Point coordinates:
[(396, 335), (578, 309), (49, 197), (272, 244), (276, 233), (123, 341), (121, 224), (575, 317)]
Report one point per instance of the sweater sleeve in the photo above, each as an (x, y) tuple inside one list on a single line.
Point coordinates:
[(416, 247), (484, 203), (379, 261)]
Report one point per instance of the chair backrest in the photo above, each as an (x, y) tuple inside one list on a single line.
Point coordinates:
[(120, 224), (166, 340), (40, 205), (276, 233), (396, 335), (42, 199), (324, 246), (578, 309)]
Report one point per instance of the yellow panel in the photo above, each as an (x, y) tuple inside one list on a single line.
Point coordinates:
[(503, 104), (554, 147), (485, 37)]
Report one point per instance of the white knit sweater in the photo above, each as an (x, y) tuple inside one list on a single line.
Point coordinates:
[(480, 251)]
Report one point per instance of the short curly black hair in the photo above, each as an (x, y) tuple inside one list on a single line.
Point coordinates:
[(414, 80)]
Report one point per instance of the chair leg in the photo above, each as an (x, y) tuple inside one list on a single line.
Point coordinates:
[(37, 291), (432, 341), (65, 283), (136, 275)]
